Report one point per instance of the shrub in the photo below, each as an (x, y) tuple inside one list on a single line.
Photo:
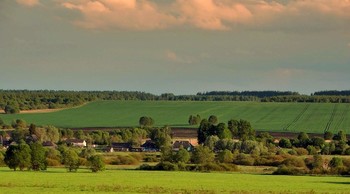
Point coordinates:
[(124, 160), (294, 161), (301, 151), (225, 156), (244, 159), (289, 170), (151, 158), (168, 166)]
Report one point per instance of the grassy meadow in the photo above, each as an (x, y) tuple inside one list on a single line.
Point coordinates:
[(292, 117), (57, 180)]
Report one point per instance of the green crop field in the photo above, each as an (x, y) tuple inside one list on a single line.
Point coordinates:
[(290, 117), (131, 181)]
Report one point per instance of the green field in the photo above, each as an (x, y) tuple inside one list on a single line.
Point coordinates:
[(292, 117), (131, 181)]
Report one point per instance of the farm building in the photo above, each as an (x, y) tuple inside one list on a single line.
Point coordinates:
[(185, 144), (76, 142), (121, 147)]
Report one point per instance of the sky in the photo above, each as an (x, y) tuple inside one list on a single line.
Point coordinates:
[(177, 46)]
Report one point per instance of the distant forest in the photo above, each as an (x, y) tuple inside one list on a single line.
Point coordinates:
[(12, 101)]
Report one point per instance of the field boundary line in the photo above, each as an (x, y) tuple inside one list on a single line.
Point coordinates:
[(297, 117), (329, 123), (342, 118)]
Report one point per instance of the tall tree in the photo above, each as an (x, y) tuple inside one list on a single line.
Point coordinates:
[(71, 160), (38, 157), (95, 163), (202, 155)]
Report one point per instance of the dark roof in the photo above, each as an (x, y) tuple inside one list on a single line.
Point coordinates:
[(149, 144), (184, 144), (121, 145), (48, 143)]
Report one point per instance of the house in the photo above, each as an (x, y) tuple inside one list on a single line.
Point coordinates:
[(149, 146), (76, 142), (185, 144), (121, 147)]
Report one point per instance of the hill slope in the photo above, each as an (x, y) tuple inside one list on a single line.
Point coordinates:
[(292, 117)]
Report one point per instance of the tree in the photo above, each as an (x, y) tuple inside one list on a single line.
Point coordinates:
[(211, 141), (304, 140), (213, 119), (233, 126), (341, 136), (182, 155), (194, 120), (203, 130), (18, 156), (202, 155), (318, 142), (52, 134), (38, 157), (328, 135), (11, 159), (11, 109), (245, 130), (285, 143), (161, 137), (71, 160), (19, 134), (95, 163), (223, 132), (225, 156), (19, 123), (146, 121)]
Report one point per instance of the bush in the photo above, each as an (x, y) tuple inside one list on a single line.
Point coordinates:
[(301, 151), (289, 170), (225, 156), (244, 159), (294, 162), (123, 160), (151, 158), (168, 166), (53, 162)]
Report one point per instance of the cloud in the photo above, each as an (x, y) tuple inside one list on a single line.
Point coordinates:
[(122, 14), (206, 14), (173, 57), (213, 15), (29, 3)]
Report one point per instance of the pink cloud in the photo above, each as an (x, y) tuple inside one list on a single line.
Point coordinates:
[(202, 14), (29, 3), (123, 14), (213, 14)]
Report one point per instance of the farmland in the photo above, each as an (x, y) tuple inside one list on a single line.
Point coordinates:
[(57, 180), (282, 117)]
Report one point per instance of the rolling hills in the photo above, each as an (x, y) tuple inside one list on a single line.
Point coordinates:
[(288, 117)]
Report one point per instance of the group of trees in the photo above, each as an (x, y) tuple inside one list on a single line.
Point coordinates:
[(240, 129)]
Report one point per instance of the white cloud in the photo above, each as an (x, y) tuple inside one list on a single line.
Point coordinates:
[(29, 3)]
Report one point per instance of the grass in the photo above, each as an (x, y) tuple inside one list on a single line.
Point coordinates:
[(57, 180), (292, 117)]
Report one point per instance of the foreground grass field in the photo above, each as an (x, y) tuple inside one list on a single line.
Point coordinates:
[(293, 117), (131, 181)]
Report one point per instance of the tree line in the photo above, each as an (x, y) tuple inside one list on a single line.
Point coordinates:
[(13, 101)]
